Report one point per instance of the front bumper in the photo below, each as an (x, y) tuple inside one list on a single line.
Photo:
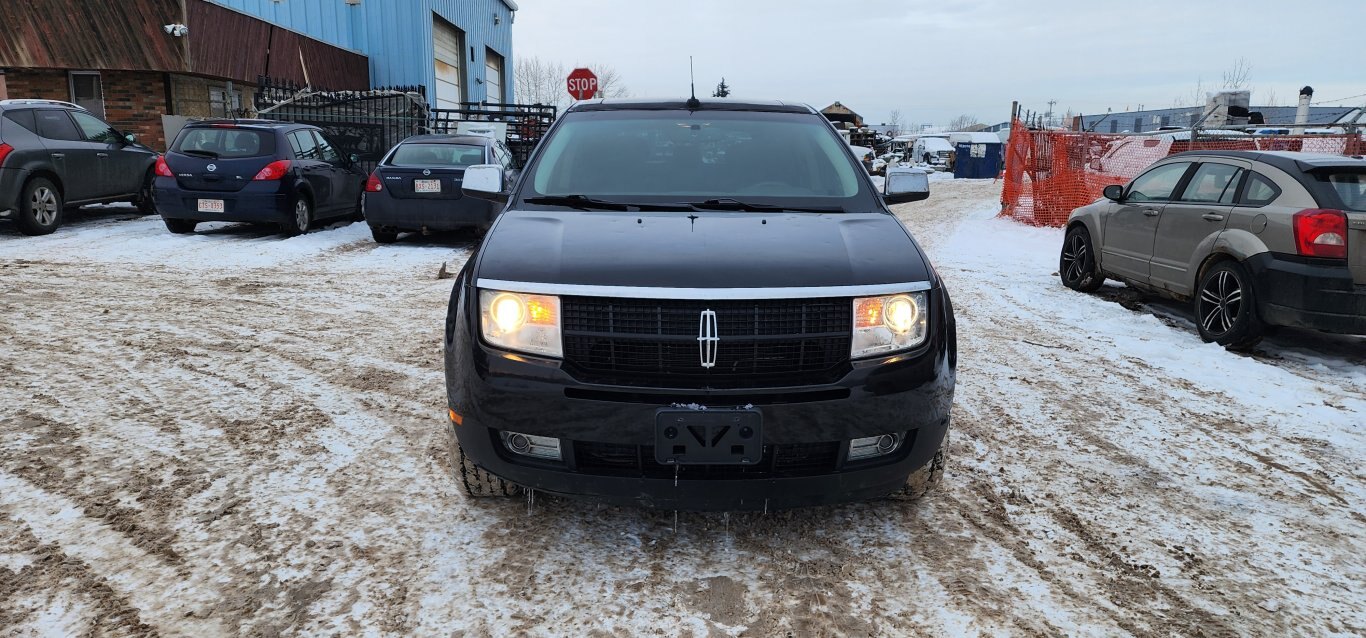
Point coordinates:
[(1307, 293), (388, 213), (266, 202), (493, 391)]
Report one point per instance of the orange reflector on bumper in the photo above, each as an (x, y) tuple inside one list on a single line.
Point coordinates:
[(456, 418)]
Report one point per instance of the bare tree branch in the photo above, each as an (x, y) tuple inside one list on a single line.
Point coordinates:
[(962, 122)]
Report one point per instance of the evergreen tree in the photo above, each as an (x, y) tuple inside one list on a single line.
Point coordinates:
[(722, 89)]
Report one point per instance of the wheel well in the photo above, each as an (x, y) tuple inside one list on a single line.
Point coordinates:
[(1209, 262), (49, 176)]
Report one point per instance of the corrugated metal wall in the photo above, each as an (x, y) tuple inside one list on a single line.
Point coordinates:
[(397, 34)]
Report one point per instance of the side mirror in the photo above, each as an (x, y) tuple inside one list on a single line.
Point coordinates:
[(355, 159), (485, 181), (130, 138), (905, 184), (1114, 193)]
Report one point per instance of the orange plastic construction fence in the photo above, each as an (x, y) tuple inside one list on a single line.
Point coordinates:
[(1048, 174)]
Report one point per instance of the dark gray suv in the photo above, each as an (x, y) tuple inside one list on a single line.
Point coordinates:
[(56, 154), (1250, 239)]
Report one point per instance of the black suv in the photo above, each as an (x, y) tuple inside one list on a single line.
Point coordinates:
[(700, 305), (56, 154), (260, 171)]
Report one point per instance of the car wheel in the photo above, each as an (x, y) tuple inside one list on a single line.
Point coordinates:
[(383, 236), (1077, 264), (40, 207), (144, 201), (359, 214), (180, 226), (1226, 307), (300, 219), (476, 481)]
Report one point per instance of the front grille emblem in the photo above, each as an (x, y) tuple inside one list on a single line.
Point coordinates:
[(707, 339)]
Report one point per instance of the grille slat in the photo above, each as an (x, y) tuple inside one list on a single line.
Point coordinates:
[(612, 459), (653, 343)]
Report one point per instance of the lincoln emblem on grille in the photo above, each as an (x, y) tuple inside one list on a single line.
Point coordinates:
[(707, 339)]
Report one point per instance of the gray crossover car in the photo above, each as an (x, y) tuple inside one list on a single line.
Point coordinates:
[(1251, 239)]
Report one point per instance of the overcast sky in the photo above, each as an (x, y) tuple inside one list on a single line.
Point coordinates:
[(936, 60)]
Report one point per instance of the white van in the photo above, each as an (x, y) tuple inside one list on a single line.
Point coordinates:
[(937, 148)]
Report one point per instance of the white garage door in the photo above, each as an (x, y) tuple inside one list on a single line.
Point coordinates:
[(493, 77), (449, 46)]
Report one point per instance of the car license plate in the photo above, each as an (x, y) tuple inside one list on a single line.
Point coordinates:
[(714, 437), (210, 205), (427, 185)]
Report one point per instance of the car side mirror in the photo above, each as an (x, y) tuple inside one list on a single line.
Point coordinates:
[(130, 138), (905, 184), (1114, 193), (355, 159), (485, 181)]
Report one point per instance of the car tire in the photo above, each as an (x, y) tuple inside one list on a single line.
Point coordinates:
[(144, 201), (1226, 307), (383, 236), (180, 226), (924, 479), (359, 214), (40, 207), (300, 217), (476, 481), (1077, 262)]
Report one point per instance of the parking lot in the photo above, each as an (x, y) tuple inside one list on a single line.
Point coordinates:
[(231, 433)]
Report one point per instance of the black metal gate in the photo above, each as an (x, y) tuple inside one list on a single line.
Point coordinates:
[(369, 123)]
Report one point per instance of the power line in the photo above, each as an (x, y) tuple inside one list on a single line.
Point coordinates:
[(1344, 99)]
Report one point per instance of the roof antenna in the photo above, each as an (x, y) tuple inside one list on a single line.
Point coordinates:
[(693, 104)]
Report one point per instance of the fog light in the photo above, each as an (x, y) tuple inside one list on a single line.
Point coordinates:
[(869, 447), (541, 447)]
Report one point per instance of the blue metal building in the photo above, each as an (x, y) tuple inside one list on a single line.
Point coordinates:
[(461, 50)]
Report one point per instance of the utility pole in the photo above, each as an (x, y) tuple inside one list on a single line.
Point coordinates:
[(1048, 117)]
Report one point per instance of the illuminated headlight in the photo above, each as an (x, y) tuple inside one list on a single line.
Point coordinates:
[(521, 322), (883, 325)]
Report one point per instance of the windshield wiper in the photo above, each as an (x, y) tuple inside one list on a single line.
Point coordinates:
[(583, 202), (199, 153), (726, 203)]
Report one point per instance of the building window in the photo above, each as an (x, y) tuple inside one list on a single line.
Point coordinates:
[(1114, 126), (1166, 120), (1138, 125), (86, 91), (219, 105), (493, 78)]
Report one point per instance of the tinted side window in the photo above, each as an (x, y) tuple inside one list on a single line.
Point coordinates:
[(1260, 191), (1157, 184), (55, 125), (23, 118), (305, 147), (1209, 183), (325, 150), (94, 129)]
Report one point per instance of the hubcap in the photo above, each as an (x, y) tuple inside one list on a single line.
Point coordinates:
[(44, 205), (1222, 298), (1074, 259), (301, 215)]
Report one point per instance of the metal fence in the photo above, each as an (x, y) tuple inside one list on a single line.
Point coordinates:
[(369, 123)]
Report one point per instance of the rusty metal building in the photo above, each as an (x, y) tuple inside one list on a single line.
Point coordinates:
[(146, 65)]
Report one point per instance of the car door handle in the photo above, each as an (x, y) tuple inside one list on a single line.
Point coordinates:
[(58, 155), (1214, 217), (1151, 212), (101, 155)]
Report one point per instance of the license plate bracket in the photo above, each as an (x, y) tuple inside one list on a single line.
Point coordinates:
[(711, 437), (210, 205), (427, 186)]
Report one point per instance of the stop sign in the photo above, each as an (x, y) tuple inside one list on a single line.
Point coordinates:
[(583, 84)]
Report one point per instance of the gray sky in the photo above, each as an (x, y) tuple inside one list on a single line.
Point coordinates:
[(935, 60)]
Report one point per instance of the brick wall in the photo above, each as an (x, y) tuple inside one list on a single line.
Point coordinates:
[(134, 101)]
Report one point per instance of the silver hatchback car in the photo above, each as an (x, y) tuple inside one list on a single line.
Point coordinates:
[(1252, 239)]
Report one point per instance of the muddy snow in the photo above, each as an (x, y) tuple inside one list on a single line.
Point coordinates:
[(232, 433)]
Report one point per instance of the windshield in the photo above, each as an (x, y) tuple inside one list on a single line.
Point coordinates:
[(226, 143), (457, 155), (762, 158)]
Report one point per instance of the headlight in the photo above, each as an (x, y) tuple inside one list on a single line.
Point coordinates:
[(521, 322), (883, 325)]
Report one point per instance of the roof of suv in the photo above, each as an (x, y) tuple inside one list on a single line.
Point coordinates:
[(29, 103), (681, 104), (1288, 161), (471, 140)]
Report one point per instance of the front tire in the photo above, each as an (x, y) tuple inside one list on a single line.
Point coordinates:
[(40, 207), (300, 219), (476, 481), (383, 236), (145, 202), (1226, 307), (1077, 263), (925, 478), (180, 226)]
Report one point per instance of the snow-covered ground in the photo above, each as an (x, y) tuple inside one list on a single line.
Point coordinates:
[(232, 433)]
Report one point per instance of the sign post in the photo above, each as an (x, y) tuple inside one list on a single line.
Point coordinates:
[(583, 85)]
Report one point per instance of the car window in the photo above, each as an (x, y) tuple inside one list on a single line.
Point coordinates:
[(54, 124), (1157, 184), (1259, 191), (1351, 189), (1209, 183), (305, 147), (504, 155), (1231, 193), (23, 118), (94, 129), (225, 143), (418, 154), (325, 150)]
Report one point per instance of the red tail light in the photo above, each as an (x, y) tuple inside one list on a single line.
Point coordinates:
[(5, 150), (273, 171), (1321, 233), (372, 184), (162, 169)]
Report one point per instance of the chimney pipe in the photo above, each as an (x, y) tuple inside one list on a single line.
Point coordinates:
[(1302, 112)]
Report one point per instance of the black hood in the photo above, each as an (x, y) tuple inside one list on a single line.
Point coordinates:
[(700, 250)]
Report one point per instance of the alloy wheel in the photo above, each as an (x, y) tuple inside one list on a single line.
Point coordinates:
[(301, 215), (1223, 301), (44, 204), (1074, 258)]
